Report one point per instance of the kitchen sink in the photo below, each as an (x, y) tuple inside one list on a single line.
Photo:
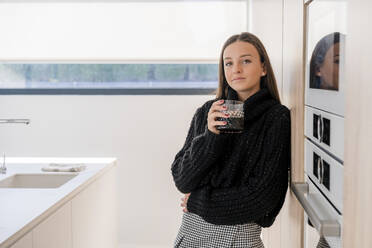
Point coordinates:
[(36, 180)]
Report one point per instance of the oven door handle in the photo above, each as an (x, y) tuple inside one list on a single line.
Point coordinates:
[(316, 213)]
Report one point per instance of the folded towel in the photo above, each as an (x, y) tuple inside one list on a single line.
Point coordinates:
[(64, 167)]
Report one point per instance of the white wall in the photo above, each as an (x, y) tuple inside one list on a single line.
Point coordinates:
[(266, 22), (358, 127), (176, 30), (143, 132)]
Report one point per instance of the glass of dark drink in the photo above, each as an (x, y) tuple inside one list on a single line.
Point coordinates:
[(235, 121)]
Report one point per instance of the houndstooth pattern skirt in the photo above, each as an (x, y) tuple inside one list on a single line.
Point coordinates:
[(322, 243), (197, 233)]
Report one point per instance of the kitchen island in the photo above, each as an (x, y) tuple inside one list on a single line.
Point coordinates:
[(81, 212)]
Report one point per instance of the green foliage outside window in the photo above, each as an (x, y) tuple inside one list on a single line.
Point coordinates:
[(101, 73)]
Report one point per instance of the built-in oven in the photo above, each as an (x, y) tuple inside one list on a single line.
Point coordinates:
[(321, 193), (326, 130), (325, 50), (323, 222), (326, 173)]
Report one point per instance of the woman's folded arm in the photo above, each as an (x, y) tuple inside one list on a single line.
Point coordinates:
[(201, 149), (265, 188)]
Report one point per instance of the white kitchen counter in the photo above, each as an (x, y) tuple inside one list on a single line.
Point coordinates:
[(21, 209)]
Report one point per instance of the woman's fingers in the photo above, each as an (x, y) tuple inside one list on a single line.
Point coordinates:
[(216, 112), (215, 123), (217, 106), (213, 119), (215, 115), (219, 123), (184, 202)]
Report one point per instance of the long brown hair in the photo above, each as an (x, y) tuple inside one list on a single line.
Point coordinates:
[(268, 81)]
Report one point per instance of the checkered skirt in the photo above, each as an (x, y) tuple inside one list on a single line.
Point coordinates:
[(197, 233), (322, 243)]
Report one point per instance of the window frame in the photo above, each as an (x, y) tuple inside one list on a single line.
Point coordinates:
[(111, 91)]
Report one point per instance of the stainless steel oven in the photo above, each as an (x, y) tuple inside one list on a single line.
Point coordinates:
[(326, 130), (326, 223), (325, 50), (323, 222), (321, 194)]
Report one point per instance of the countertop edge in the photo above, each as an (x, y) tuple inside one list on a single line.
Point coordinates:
[(20, 233)]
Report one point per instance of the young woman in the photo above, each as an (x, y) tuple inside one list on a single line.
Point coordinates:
[(235, 183)]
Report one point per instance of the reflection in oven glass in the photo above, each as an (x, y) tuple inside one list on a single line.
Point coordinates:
[(324, 63)]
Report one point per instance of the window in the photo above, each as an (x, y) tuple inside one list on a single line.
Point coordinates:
[(115, 44), (157, 76)]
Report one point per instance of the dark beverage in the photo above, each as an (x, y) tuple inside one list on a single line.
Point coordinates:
[(234, 123)]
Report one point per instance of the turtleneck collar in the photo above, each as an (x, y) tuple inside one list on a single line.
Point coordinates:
[(256, 104)]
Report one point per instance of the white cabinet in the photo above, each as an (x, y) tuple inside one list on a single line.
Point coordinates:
[(24, 242), (94, 218), (88, 220), (55, 231)]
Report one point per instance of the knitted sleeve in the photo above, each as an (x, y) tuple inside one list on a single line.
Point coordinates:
[(201, 149), (262, 193)]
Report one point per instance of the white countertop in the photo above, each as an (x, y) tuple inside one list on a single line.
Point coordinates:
[(21, 209)]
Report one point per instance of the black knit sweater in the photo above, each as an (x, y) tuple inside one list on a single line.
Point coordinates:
[(242, 177)]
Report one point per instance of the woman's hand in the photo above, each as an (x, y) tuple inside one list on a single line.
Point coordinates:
[(184, 202), (214, 112)]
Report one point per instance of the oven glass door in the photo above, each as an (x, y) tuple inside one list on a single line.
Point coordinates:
[(325, 50)]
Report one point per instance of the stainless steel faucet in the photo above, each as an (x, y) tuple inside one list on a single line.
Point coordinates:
[(15, 121), (3, 167), (11, 121)]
